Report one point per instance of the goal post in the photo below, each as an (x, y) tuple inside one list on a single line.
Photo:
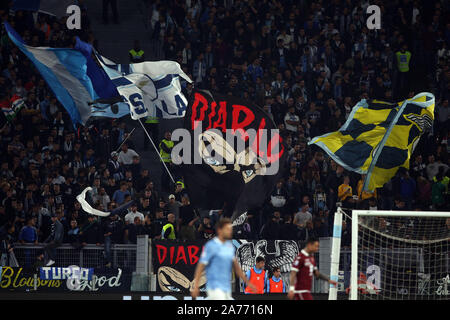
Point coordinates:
[(335, 253), (407, 253)]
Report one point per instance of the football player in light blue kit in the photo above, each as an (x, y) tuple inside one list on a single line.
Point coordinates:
[(218, 260)]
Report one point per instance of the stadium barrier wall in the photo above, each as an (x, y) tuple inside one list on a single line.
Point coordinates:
[(146, 262)]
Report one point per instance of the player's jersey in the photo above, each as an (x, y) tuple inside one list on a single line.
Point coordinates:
[(305, 265), (218, 257)]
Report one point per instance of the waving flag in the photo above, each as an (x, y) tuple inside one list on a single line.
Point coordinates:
[(16, 103), (53, 7), (79, 76), (64, 70), (237, 154), (150, 88), (379, 137), (116, 110), (9, 109)]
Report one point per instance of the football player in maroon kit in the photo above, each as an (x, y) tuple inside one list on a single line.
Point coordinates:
[(302, 271)]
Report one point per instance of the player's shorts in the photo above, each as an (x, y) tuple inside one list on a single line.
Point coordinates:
[(303, 295), (217, 294)]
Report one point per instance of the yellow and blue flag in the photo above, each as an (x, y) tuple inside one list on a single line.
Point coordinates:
[(379, 137)]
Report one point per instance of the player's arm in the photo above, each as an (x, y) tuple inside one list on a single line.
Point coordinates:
[(205, 258), (324, 277), (198, 273), (247, 274), (266, 283), (292, 281), (241, 274)]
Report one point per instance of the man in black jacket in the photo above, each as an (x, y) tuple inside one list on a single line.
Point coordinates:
[(90, 232), (271, 230), (158, 224), (288, 230), (112, 231), (54, 240)]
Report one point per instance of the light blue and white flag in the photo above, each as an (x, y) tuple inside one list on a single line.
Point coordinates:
[(116, 110), (151, 88), (53, 7), (65, 71)]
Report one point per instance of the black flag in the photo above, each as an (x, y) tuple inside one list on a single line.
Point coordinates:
[(240, 151)]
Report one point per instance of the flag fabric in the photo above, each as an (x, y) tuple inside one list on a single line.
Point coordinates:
[(116, 110), (72, 74), (10, 111), (64, 70), (239, 169), (56, 8), (379, 137), (151, 88), (80, 75)]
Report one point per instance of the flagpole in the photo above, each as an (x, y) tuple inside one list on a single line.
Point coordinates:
[(157, 151), (124, 140)]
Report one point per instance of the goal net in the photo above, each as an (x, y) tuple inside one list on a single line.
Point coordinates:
[(400, 255)]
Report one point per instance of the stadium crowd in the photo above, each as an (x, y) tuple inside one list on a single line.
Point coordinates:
[(305, 62)]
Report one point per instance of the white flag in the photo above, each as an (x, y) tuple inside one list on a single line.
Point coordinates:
[(150, 88)]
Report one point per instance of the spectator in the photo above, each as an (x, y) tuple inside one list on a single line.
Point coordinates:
[(187, 220), (346, 238), (407, 188), (168, 230), (40, 260), (279, 196), (147, 227), (438, 191), (126, 155), (130, 216), (302, 216), (28, 234), (132, 230), (271, 230), (288, 230), (158, 224), (199, 70), (90, 232), (115, 167), (291, 120), (112, 230), (345, 193), (174, 206), (120, 194), (73, 235), (102, 198), (206, 229), (54, 240)]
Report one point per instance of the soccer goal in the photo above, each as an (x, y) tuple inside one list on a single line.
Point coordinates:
[(400, 255)]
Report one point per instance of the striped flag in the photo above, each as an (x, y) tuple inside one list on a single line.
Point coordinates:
[(16, 103), (379, 137), (151, 88), (72, 75)]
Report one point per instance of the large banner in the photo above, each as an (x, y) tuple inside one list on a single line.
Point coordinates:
[(174, 263), (72, 278), (236, 154)]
